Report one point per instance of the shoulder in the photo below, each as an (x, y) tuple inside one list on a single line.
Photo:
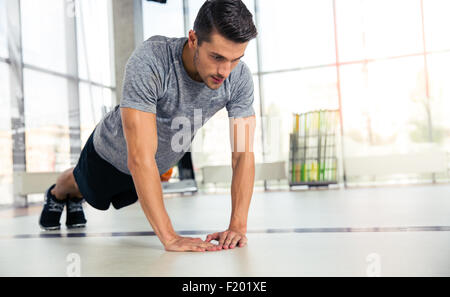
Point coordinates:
[(156, 49), (151, 49), (240, 77), (240, 73), (156, 54), (241, 70)]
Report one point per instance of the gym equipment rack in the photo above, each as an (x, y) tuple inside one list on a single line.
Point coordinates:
[(312, 149)]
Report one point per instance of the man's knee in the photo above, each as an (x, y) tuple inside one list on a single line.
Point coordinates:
[(75, 185), (67, 185)]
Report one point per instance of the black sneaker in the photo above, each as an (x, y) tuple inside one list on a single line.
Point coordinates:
[(51, 212), (75, 215)]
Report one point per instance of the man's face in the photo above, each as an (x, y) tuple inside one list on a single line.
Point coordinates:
[(215, 60)]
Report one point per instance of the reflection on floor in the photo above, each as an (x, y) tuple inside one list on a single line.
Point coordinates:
[(402, 231)]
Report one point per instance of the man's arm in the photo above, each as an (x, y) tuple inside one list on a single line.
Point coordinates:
[(142, 143), (243, 164), (242, 131)]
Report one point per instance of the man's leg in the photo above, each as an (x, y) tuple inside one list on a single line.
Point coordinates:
[(64, 193), (66, 186)]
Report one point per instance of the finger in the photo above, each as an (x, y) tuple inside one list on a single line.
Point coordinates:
[(207, 245), (229, 239), (222, 238), (213, 236), (190, 248), (235, 240), (200, 246), (243, 241), (212, 248), (198, 249)]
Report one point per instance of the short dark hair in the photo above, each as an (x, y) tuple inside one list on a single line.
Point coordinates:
[(230, 18)]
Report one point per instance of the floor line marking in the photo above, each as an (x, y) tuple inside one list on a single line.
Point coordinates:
[(53, 234)]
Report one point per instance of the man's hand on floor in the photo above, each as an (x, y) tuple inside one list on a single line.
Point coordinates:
[(189, 244), (228, 239)]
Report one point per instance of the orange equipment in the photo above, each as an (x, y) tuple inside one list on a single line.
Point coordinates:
[(167, 175)]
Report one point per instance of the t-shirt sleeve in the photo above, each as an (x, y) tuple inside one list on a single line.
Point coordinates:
[(141, 85), (242, 95)]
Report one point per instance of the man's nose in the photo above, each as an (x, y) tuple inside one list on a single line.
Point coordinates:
[(224, 69)]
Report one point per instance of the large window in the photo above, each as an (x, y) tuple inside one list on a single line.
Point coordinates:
[(297, 66), (378, 29), (46, 122), (438, 43), (163, 19), (388, 106), (437, 23), (94, 103), (384, 115), (3, 36), (45, 95), (296, 34), (94, 64), (294, 91), (50, 80), (439, 102), (45, 47), (6, 182), (94, 56), (43, 38)]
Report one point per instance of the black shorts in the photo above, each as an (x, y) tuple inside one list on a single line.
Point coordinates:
[(101, 183)]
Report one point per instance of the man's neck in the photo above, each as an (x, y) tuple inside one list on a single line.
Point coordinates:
[(188, 63)]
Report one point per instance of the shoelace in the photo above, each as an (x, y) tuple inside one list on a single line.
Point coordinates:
[(55, 206), (74, 206)]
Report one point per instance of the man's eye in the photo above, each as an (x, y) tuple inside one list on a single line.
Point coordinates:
[(217, 58)]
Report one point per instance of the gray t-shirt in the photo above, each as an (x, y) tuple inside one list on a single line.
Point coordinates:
[(156, 82)]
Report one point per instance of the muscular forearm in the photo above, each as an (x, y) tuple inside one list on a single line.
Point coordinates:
[(242, 189), (148, 187)]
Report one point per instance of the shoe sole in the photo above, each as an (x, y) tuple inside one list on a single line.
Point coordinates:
[(76, 226), (50, 228)]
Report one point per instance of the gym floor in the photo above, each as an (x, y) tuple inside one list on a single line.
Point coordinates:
[(386, 231)]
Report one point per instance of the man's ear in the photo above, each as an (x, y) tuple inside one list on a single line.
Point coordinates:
[(193, 40)]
